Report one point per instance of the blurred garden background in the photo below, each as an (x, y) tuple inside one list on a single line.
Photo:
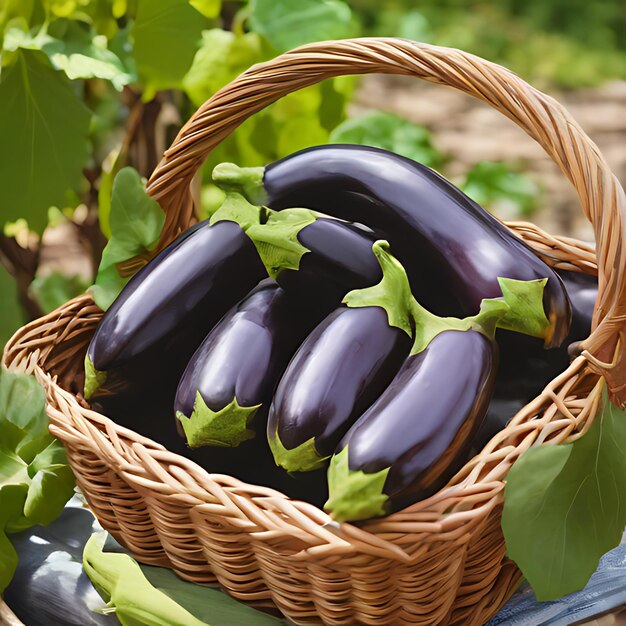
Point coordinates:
[(90, 86)]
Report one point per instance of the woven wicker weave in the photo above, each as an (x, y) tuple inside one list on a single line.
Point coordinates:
[(439, 561)]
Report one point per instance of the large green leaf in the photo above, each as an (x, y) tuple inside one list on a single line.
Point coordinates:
[(222, 56), (390, 132), (136, 222), (44, 127), (73, 48), (11, 314), (565, 506), (35, 480), (167, 34), (290, 23)]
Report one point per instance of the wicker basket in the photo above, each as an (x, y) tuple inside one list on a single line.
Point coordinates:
[(440, 561)]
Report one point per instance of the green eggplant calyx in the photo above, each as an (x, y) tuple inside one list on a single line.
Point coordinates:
[(526, 312), (245, 180), (302, 458), (94, 379), (392, 293), (492, 312), (226, 428), (235, 208), (276, 240), (353, 494)]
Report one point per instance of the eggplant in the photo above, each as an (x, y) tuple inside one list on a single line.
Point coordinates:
[(429, 223), (314, 258), (419, 431), (230, 379), (340, 259), (582, 290), (341, 368), (169, 306)]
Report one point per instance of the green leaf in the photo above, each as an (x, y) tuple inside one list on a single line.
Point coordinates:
[(392, 293), (208, 8), (227, 427), (44, 128), (15, 11), (210, 605), (498, 187), (77, 51), (22, 404), (354, 495), (290, 23), (56, 289), (222, 56), (565, 506), (35, 480), (48, 492), (12, 499), (51, 457), (8, 558), (112, 164), (389, 132), (141, 594), (167, 34), (11, 314), (136, 223)]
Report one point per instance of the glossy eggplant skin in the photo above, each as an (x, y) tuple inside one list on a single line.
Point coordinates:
[(177, 298), (341, 368), (582, 290), (340, 260), (422, 426), (246, 352), (430, 224)]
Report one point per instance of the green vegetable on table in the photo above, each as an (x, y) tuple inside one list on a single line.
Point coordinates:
[(156, 597)]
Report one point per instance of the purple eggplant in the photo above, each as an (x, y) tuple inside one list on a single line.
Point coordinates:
[(311, 257), (340, 369), (169, 306), (429, 222), (582, 290), (232, 375), (419, 431)]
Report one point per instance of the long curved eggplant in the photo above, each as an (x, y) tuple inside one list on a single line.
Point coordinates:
[(172, 302), (418, 432), (231, 376), (429, 222)]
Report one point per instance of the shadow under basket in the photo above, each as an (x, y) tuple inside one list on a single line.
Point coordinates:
[(440, 561)]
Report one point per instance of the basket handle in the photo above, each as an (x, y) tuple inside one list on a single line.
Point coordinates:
[(540, 116)]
